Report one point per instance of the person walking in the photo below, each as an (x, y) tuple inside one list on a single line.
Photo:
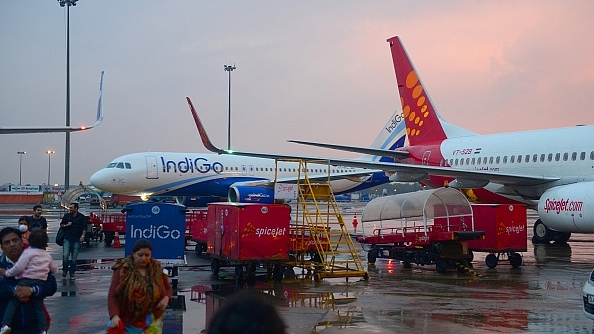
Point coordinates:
[(32, 268), (24, 321), (139, 292), (37, 220), (74, 224)]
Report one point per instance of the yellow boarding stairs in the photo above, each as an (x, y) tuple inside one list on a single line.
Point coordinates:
[(318, 215)]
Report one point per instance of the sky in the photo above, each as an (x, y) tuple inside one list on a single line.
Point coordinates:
[(306, 70)]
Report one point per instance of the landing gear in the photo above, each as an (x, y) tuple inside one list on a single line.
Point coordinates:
[(544, 235)]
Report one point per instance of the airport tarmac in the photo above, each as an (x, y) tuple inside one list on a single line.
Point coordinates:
[(542, 295)]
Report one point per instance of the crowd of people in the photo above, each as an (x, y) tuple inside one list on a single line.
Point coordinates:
[(138, 294)]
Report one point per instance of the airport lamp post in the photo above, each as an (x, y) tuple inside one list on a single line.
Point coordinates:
[(20, 153), (67, 4), (49, 166), (229, 68)]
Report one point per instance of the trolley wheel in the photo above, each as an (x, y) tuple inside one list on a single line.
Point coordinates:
[(372, 255), (491, 261), (198, 249), (441, 266), (108, 238), (215, 266), (515, 260), (238, 272)]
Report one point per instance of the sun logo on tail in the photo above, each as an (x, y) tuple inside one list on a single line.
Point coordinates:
[(415, 112)]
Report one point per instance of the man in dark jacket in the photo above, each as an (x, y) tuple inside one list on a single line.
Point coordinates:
[(74, 224), (24, 321)]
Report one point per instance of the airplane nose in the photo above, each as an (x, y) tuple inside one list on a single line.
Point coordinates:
[(97, 180)]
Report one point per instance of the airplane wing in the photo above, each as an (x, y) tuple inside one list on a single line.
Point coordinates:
[(50, 129), (510, 179), (364, 150)]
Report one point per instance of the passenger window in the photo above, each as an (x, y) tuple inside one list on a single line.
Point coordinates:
[(527, 158), (550, 157), (512, 159), (542, 157), (534, 157), (497, 160), (519, 158), (461, 162), (505, 159), (583, 156), (473, 160), (557, 156), (574, 156), (565, 156), (491, 160)]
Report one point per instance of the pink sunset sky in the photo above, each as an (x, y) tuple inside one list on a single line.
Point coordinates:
[(308, 70)]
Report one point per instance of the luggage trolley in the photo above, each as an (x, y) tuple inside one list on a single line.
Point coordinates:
[(425, 227)]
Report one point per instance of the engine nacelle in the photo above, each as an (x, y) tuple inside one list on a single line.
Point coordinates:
[(568, 208), (251, 194)]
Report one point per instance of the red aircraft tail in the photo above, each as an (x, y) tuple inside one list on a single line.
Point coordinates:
[(423, 124)]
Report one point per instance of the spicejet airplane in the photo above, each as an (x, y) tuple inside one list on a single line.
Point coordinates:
[(46, 129), (241, 179), (551, 170)]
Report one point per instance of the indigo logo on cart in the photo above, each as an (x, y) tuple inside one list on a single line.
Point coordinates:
[(155, 232)]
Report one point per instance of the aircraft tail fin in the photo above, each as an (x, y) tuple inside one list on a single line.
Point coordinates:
[(423, 122), (99, 103), (203, 135)]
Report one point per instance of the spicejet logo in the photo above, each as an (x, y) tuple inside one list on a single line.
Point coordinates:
[(274, 232), (562, 205)]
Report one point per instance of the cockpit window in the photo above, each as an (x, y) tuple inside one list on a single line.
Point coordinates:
[(120, 165), (128, 166), (111, 165)]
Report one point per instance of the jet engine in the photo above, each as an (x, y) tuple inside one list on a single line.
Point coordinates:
[(565, 209), (251, 194)]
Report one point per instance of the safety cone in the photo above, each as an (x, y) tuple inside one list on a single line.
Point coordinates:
[(116, 241), (355, 222)]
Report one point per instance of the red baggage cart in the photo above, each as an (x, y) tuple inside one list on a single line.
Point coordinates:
[(505, 227), (247, 234)]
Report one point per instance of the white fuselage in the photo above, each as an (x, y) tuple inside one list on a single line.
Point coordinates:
[(199, 174)]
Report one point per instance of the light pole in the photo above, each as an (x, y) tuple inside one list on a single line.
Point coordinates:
[(229, 68), (67, 4), (49, 166), (20, 153)]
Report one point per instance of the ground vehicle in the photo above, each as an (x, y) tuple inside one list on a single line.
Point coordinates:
[(118, 200), (588, 293)]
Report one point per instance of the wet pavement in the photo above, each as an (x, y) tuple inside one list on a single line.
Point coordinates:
[(542, 295)]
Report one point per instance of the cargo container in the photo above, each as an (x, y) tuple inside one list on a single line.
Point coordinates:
[(247, 234)]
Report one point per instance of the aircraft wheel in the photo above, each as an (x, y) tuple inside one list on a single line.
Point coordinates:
[(491, 260), (515, 260), (542, 234), (560, 237)]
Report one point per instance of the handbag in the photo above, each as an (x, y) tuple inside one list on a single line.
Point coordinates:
[(60, 237)]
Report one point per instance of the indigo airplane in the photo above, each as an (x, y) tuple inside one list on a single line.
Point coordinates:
[(240, 179), (551, 171), (52, 129)]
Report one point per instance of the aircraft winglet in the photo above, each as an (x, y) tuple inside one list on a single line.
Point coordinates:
[(53, 129), (203, 135)]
